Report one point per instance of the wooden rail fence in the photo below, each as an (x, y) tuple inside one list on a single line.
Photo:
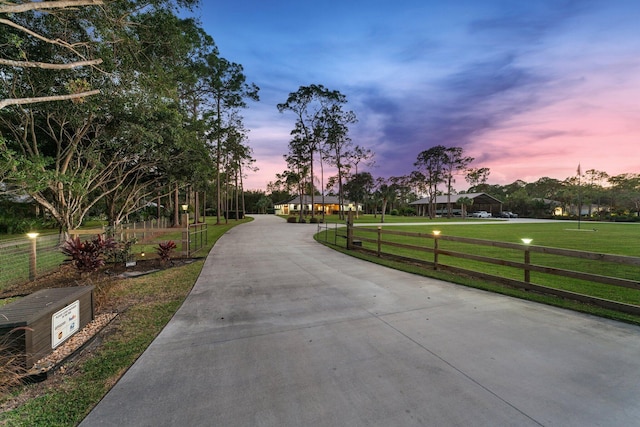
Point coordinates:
[(194, 237), (379, 241)]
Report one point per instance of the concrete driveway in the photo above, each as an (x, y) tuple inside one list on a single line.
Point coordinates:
[(281, 331)]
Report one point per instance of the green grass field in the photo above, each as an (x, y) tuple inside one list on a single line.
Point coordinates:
[(613, 238), (388, 219)]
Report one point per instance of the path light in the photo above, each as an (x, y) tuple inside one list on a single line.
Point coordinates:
[(527, 259), (33, 262), (436, 233), (185, 215)]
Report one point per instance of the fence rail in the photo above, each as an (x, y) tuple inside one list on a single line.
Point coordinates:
[(141, 230), (513, 263)]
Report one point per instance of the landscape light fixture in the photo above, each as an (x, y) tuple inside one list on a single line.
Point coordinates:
[(33, 262), (435, 233), (185, 208), (526, 241)]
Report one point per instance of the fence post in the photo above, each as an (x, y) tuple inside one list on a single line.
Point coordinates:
[(379, 241), (33, 260), (185, 242), (349, 230), (527, 260), (436, 233)]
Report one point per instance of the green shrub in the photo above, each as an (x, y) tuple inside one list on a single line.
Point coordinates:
[(292, 220), (407, 211), (121, 252), (394, 212), (314, 220), (14, 225)]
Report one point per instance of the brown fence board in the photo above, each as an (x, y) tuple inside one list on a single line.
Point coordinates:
[(607, 280), (593, 256)]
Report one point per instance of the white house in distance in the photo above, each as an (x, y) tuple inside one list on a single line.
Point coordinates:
[(481, 202), (330, 206)]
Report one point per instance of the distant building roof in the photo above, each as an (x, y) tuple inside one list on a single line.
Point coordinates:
[(306, 200), (479, 198)]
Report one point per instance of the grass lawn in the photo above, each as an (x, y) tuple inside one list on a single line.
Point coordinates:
[(613, 238), (388, 219), (150, 303)]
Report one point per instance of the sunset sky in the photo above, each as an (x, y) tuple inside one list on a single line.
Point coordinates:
[(529, 88)]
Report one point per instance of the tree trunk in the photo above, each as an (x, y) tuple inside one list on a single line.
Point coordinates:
[(313, 208), (196, 207), (218, 162), (176, 211), (384, 208), (244, 210), (237, 196)]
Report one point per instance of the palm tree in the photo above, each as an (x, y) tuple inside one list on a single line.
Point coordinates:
[(386, 193), (465, 202)]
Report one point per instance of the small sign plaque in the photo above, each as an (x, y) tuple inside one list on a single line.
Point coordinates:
[(65, 323)]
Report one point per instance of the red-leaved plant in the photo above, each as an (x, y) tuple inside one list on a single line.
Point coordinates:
[(87, 256), (165, 249)]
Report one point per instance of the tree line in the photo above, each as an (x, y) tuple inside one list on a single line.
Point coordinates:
[(320, 132), (111, 107), (593, 194)]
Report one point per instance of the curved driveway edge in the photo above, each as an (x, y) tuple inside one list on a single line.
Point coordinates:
[(281, 331)]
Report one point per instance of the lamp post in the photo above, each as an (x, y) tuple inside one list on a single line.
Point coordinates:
[(185, 213), (33, 261), (527, 259), (436, 233)]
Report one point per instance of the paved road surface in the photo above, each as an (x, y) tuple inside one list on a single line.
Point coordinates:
[(281, 331)]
